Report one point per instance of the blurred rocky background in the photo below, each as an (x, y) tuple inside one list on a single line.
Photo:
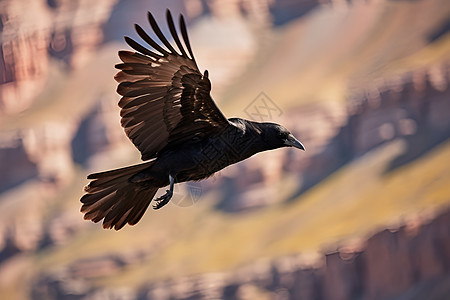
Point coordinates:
[(362, 214)]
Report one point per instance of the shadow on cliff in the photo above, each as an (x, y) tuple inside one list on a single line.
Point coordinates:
[(286, 11), (335, 155), (419, 145)]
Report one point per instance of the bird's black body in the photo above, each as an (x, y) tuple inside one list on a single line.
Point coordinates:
[(169, 115), (200, 158)]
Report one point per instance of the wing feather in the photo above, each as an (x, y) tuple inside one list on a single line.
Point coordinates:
[(165, 98), (138, 47), (158, 33), (174, 33), (149, 40), (185, 36)]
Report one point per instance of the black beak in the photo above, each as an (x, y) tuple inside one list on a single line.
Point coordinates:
[(293, 142)]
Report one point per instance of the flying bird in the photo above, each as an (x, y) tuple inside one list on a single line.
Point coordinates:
[(169, 115)]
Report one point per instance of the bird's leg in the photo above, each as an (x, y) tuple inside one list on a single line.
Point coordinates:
[(164, 199)]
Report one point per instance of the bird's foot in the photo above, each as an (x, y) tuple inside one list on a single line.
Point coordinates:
[(163, 200)]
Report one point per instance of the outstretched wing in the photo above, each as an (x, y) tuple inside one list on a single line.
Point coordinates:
[(166, 99)]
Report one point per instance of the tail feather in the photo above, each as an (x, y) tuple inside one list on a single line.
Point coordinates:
[(123, 213), (125, 170), (111, 197), (138, 211)]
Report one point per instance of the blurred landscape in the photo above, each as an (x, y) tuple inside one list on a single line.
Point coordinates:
[(362, 214)]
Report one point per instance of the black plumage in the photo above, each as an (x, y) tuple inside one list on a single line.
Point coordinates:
[(169, 115)]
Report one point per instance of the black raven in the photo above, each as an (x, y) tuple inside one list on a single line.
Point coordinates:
[(169, 115)]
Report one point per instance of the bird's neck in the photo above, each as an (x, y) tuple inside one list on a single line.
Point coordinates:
[(252, 138)]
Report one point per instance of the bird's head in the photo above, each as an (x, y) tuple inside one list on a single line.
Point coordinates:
[(277, 136)]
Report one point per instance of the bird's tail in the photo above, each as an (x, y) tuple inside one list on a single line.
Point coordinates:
[(110, 196)]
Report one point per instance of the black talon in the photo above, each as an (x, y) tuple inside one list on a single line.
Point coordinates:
[(163, 200)]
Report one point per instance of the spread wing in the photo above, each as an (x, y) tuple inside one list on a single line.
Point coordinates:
[(166, 99)]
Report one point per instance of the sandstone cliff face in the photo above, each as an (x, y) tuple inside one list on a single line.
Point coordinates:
[(410, 262), (403, 107), (23, 53), (33, 32)]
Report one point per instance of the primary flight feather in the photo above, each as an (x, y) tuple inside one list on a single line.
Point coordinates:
[(169, 115)]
